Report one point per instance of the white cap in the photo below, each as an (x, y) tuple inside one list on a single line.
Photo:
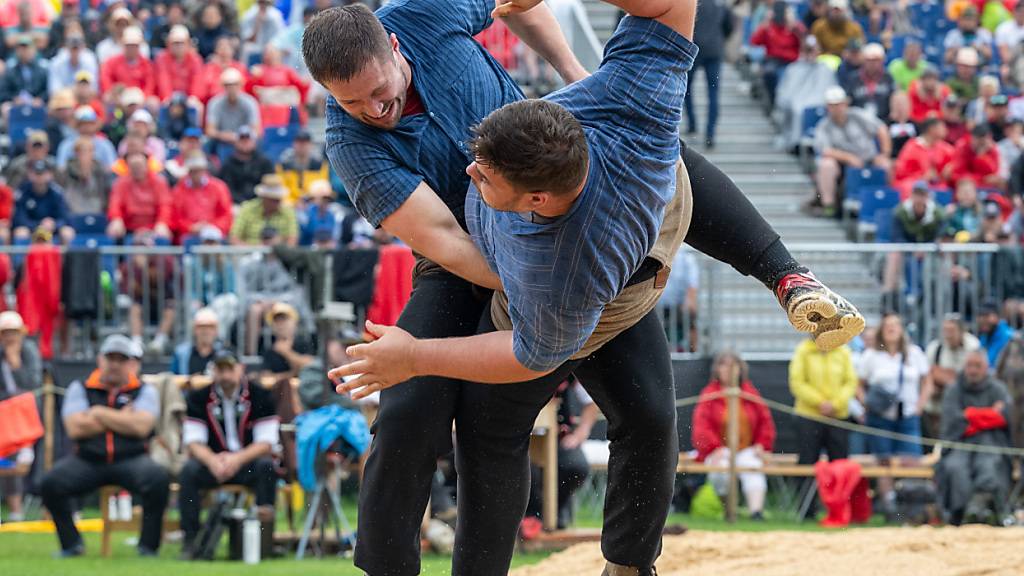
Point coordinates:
[(967, 56), (230, 76), (132, 95), (11, 320), (122, 13), (178, 33), (841, 4), (142, 115), (873, 50), (205, 317), (132, 35), (835, 95)]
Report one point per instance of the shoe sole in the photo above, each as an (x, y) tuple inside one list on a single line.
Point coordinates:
[(834, 328)]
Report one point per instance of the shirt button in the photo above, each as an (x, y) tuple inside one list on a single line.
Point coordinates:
[(431, 114)]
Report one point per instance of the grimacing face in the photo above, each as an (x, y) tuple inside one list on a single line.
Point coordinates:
[(376, 95), (496, 191)]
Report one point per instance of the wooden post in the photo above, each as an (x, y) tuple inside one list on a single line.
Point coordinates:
[(733, 439), (49, 409)]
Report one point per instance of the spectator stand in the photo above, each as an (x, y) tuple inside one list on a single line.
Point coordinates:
[(21, 120)]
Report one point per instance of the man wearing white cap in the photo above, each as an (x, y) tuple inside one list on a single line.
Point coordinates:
[(141, 125), (964, 82), (88, 125), (846, 137), (836, 29), (130, 68), (179, 67), (194, 357), (871, 86), (230, 110), (267, 210)]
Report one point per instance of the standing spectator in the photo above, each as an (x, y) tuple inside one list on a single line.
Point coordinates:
[(199, 200), (716, 27), (66, 65), (87, 123), (896, 376), (110, 416), (977, 158), (272, 82), (926, 158), (61, 118), (975, 410), (21, 370), (40, 204), (968, 33), (757, 431), (965, 215), (323, 216), (178, 68), (85, 182), (267, 210), (231, 110), (230, 434), (222, 58), (846, 137), (191, 358), (927, 94), (245, 168), (910, 66), (947, 355), (24, 83), (258, 26), (781, 39), (139, 200), (300, 165), (289, 351), (1010, 147), (964, 82), (835, 31), (872, 86), (993, 332), (128, 69), (37, 148), (1009, 36), (210, 27), (823, 383)]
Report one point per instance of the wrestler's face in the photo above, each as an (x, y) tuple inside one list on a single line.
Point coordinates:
[(376, 95), (499, 193)]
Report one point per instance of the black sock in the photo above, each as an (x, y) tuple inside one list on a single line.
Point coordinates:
[(774, 263)]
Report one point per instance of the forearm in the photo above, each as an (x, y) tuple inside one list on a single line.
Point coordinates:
[(126, 422), (297, 361), (460, 256), (254, 451), (81, 426), (485, 358), (540, 31), (202, 453)]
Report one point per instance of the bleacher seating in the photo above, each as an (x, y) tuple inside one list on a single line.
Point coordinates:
[(20, 121), (872, 200)]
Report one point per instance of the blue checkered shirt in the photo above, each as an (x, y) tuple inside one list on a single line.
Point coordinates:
[(458, 82), (559, 275)]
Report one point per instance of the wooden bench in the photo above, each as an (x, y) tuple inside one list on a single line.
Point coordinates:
[(781, 465)]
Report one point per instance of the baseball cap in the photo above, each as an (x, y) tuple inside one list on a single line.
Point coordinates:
[(37, 137), (25, 40), (202, 317), (196, 162), (132, 95), (132, 35), (40, 166), (989, 307), (967, 57), (303, 136), (921, 187), (11, 320), (210, 234), (873, 51), (992, 210), (121, 344), (84, 76), (225, 357), (192, 132), (121, 13), (841, 4), (178, 33), (998, 100), (141, 115), (245, 131), (75, 40), (85, 114), (230, 76), (835, 95)]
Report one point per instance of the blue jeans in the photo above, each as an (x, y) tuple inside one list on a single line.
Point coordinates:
[(885, 447), (712, 69)]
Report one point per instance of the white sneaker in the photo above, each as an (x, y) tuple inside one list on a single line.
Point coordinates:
[(158, 344)]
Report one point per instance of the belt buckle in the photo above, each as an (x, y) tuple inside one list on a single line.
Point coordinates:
[(661, 277)]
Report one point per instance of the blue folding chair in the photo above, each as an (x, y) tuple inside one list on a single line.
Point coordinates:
[(164, 116), (22, 119), (277, 140), (857, 178), (872, 200), (808, 122), (883, 225), (88, 223), (942, 197)]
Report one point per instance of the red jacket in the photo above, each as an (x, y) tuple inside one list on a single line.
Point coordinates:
[(709, 420), (393, 285), (39, 293), (780, 42), (6, 203), (916, 159), (968, 164), (142, 205), (117, 70), (174, 76), (208, 202), (923, 106)]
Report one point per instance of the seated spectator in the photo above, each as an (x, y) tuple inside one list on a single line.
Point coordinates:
[(918, 219), (87, 123), (110, 446), (964, 82), (267, 210), (975, 410), (222, 58), (947, 355), (998, 116), (73, 59), (86, 93), (927, 94), (141, 125), (781, 37), (134, 145), (210, 26), (836, 29), (199, 200), (977, 158), (1010, 147), (229, 111), (802, 86), (757, 431), (246, 167), (40, 204), (901, 128), (192, 358), (963, 223), (131, 101), (272, 82), (926, 158), (300, 165), (1009, 36), (849, 61), (258, 26), (953, 115), (178, 120), (872, 86), (993, 230), (85, 182), (976, 111), (21, 370), (189, 144), (322, 214), (178, 68), (128, 69), (289, 41), (174, 15), (993, 332), (120, 23), (846, 137), (151, 282), (289, 351), (139, 200), (24, 83), (910, 66), (60, 118), (230, 434), (816, 10), (896, 376), (968, 33), (37, 147)]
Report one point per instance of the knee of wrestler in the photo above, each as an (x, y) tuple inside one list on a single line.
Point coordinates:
[(412, 429)]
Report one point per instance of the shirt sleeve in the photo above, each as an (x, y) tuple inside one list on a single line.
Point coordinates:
[(75, 401), (195, 432), (148, 400), (544, 337), (470, 16)]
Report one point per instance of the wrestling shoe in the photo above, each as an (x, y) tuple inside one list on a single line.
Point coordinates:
[(815, 309), (612, 569)]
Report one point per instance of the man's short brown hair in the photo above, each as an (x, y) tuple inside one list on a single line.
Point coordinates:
[(534, 144), (339, 42)]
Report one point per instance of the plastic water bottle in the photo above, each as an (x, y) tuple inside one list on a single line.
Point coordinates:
[(112, 512), (124, 505), (251, 540)]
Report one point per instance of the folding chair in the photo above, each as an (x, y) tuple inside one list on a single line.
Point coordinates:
[(873, 199), (808, 122), (330, 472)]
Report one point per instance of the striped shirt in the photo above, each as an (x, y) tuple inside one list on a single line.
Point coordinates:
[(559, 275), (458, 82)]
